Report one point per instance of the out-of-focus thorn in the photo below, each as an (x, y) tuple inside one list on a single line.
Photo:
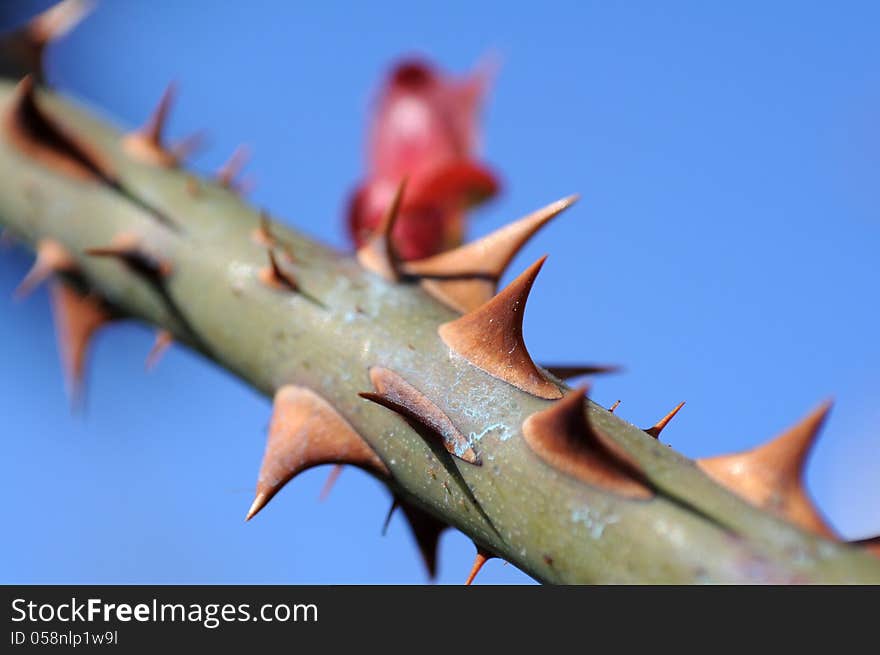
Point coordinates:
[(262, 235), (146, 144), (189, 145), (227, 173), (163, 341), (275, 277), (378, 253), (335, 472), (480, 559), (77, 317), (23, 51), (614, 406), (771, 476), (657, 428), (490, 337), (52, 257)]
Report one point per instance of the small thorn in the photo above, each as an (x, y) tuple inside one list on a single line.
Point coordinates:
[(77, 318), (378, 254), (163, 341), (275, 277), (614, 406), (657, 428), (335, 472), (52, 258), (479, 561), (145, 144), (262, 234), (227, 173), (394, 505)]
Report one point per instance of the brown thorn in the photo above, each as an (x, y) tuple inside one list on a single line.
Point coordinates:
[(262, 234), (275, 277), (466, 277), (771, 475), (163, 341), (378, 254), (77, 317), (490, 337), (657, 428), (145, 143), (335, 472), (227, 173), (307, 431), (26, 46), (480, 560), (52, 257), (398, 395), (41, 138), (564, 438), (614, 406), (58, 20)]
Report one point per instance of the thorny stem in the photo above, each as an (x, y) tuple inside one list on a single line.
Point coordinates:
[(348, 320)]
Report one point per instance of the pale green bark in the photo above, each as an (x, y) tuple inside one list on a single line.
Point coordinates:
[(552, 526)]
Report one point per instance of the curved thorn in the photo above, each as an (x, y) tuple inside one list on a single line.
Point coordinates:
[(491, 338)]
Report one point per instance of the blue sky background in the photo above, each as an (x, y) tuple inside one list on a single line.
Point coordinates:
[(725, 251)]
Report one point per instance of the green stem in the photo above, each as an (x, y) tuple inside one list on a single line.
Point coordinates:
[(555, 527)]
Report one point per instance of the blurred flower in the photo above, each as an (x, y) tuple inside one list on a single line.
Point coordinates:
[(425, 130)]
